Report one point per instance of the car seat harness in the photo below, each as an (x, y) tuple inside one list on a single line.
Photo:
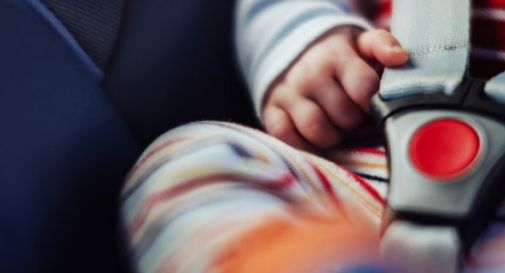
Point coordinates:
[(446, 140)]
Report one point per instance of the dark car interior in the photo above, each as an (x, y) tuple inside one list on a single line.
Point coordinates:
[(85, 86)]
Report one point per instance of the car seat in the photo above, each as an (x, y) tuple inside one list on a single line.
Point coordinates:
[(84, 86)]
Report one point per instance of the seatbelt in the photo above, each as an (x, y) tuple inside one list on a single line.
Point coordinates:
[(495, 88), (436, 34), (445, 140)]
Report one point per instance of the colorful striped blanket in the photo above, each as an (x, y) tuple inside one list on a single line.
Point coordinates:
[(219, 197)]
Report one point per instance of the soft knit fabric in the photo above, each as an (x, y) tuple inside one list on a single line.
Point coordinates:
[(271, 34), (218, 197)]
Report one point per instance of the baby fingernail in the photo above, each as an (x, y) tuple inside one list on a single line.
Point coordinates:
[(397, 49)]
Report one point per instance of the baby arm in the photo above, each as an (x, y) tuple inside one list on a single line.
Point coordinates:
[(308, 66)]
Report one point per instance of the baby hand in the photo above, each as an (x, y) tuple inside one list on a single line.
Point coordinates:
[(329, 87)]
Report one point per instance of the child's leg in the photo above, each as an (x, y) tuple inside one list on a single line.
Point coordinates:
[(216, 197)]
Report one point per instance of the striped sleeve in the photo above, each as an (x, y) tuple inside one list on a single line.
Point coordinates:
[(270, 35)]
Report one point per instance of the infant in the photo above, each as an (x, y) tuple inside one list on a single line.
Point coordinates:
[(220, 197)]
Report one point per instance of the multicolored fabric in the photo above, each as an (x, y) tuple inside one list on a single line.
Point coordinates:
[(218, 197)]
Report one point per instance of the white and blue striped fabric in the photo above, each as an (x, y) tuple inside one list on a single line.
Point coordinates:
[(271, 34)]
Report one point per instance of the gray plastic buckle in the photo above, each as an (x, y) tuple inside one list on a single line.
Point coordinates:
[(430, 225), (411, 191)]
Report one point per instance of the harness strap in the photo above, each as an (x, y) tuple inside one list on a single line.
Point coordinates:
[(440, 198), (436, 33), (430, 249), (495, 88)]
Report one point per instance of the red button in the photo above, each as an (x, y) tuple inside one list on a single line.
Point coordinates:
[(444, 149)]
